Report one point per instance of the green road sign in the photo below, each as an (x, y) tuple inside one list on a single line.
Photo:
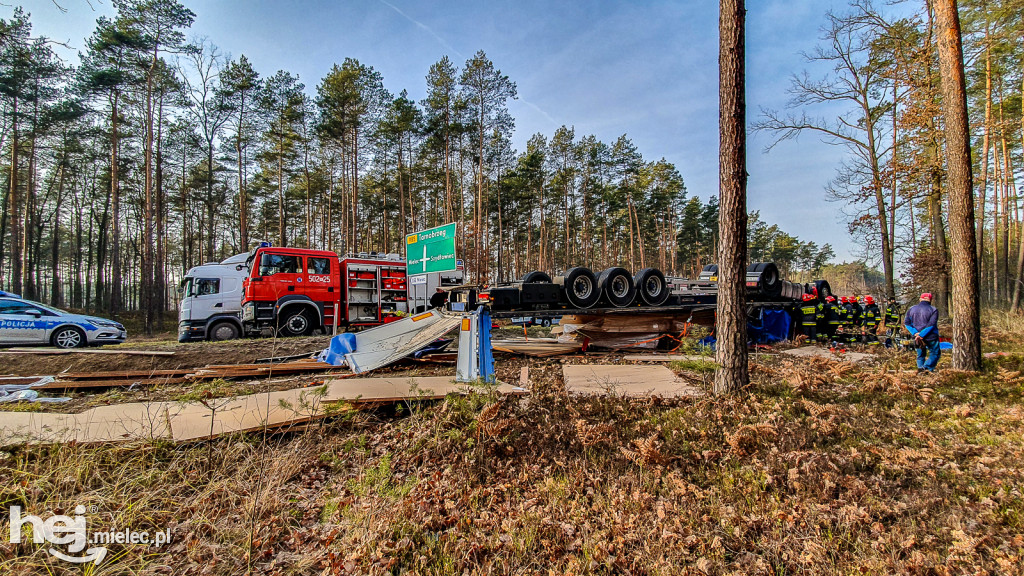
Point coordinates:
[(431, 250)]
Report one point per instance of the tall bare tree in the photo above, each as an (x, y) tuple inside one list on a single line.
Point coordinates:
[(731, 325), (966, 326)]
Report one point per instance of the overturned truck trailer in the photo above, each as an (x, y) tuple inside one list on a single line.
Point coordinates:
[(615, 308)]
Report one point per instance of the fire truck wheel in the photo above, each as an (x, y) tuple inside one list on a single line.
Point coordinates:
[(222, 331), (617, 286), (295, 323), (650, 284)]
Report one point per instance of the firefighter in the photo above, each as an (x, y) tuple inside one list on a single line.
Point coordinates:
[(893, 315), (871, 317), (846, 319), (809, 317), (819, 315), (833, 318), (856, 320)]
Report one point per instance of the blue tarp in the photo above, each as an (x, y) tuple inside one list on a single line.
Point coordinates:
[(341, 344), (772, 326)]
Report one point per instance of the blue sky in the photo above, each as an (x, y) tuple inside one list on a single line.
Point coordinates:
[(646, 69)]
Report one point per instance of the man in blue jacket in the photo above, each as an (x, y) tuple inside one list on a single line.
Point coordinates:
[(922, 321)]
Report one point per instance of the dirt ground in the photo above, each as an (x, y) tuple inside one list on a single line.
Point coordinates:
[(186, 355)]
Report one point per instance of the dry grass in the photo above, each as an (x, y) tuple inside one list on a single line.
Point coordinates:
[(820, 467)]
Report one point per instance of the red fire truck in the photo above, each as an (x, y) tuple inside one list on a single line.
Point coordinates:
[(296, 291)]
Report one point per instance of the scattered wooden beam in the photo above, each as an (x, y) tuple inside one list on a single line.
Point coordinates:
[(117, 383), (53, 351), (537, 347), (118, 374), (668, 358)]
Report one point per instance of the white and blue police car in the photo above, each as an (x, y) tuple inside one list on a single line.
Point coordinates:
[(27, 322)]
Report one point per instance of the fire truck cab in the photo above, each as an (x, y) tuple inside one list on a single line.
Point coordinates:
[(291, 290)]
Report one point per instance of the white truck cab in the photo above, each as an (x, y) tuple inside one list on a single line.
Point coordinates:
[(211, 300)]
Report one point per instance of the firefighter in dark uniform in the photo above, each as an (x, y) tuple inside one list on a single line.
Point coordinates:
[(893, 315), (809, 317), (819, 315), (833, 318), (871, 317), (846, 310), (857, 319)]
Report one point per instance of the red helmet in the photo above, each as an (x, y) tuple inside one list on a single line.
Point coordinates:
[(810, 297), (843, 299), (830, 299), (869, 300)]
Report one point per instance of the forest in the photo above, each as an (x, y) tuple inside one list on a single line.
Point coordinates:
[(154, 153)]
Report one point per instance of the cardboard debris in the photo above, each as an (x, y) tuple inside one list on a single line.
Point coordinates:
[(632, 330), (819, 352), (185, 421), (628, 380)]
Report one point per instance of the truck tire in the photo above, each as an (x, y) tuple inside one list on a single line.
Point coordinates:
[(536, 276), (824, 290), (545, 322), (651, 286), (616, 284), (221, 331), (295, 323), (579, 287), (766, 274)]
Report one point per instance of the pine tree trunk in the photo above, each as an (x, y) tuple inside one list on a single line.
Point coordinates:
[(966, 321), (114, 305), (731, 324), (14, 201)]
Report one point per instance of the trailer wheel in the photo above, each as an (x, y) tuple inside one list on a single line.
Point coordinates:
[(295, 323), (580, 287), (616, 285), (536, 276), (650, 284)]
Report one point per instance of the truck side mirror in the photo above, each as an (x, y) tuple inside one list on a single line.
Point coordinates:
[(239, 267)]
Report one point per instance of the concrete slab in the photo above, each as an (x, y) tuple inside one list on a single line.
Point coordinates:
[(629, 380), (819, 352)]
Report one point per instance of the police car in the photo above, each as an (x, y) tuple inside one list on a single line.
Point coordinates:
[(27, 322)]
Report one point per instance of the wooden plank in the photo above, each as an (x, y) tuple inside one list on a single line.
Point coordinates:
[(668, 358), (124, 374), (537, 347), (626, 379), (524, 377), (118, 383), (19, 380), (52, 351)]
